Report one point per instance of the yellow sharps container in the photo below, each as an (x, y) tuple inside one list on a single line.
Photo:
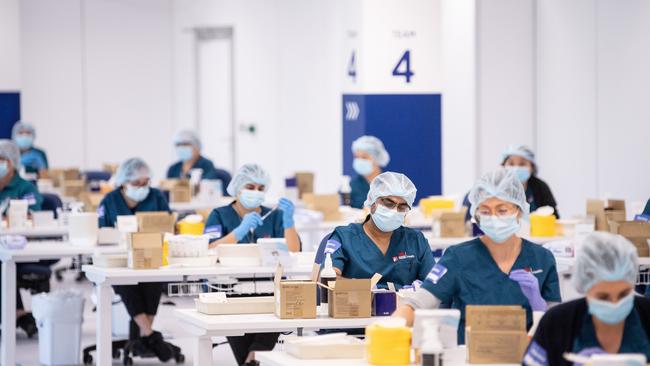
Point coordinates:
[(388, 342)]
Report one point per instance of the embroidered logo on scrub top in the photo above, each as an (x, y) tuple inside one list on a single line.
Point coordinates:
[(214, 232), (101, 211), (402, 255), (536, 355), (331, 246), (31, 199), (436, 273)]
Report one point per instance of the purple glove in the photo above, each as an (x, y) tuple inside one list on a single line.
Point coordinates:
[(588, 352), (530, 287)]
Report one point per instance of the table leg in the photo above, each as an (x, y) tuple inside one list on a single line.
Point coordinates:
[(203, 351), (103, 336), (8, 313)]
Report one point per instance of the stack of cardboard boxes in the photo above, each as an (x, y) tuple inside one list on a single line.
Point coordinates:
[(145, 246), (611, 216), (179, 190)]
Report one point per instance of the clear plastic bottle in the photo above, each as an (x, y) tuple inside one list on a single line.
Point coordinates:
[(431, 348), (327, 274), (345, 190)]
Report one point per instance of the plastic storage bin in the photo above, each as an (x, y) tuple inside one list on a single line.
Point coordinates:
[(59, 316)]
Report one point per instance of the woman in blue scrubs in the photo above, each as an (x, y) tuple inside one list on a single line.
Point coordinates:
[(244, 221), (33, 159), (188, 150), (370, 157), (381, 244), (133, 194), (610, 319), (498, 268)]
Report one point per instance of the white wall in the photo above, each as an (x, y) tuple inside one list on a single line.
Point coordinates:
[(9, 45)]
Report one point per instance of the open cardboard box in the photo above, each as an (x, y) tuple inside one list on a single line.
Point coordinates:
[(614, 210), (305, 183), (155, 222), (638, 232), (452, 224), (295, 299), (351, 298), (328, 204), (495, 334), (145, 250)]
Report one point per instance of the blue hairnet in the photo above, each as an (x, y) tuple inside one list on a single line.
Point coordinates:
[(502, 184), (10, 151), (391, 184), (521, 150), (248, 173), (187, 137), (374, 147), (130, 170), (604, 257), (22, 127)]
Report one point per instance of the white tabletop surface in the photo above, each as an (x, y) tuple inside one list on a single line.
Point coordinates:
[(36, 231), (36, 250)]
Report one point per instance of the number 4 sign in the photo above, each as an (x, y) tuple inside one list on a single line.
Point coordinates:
[(403, 67)]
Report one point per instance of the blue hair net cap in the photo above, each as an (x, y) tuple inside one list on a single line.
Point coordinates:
[(187, 137), (502, 184), (248, 173), (23, 127), (130, 170), (521, 150), (604, 257), (374, 147), (391, 184), (10, 151)]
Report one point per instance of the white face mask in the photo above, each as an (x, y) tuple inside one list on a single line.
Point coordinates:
[(387, 220), (499, 229), (137, 194), (251, 199)]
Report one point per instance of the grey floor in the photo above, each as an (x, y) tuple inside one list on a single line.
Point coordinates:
[(27, 349)]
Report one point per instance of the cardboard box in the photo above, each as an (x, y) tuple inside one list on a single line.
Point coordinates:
[(613, 211), (145, 250), (452, 224), (305, 183), (91, 200), (295, 299), (638, 232), (110, 167), (179, 194), (155, 222), (351, 298), (495, 334), (73, 188), (328, 204)]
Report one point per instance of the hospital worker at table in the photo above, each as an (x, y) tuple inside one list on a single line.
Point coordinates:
[(244, 221), (134, 194), (370, 157), (33, 159), (188, 151), (12, 186), (381, 244), (609, 319), (498, 268)]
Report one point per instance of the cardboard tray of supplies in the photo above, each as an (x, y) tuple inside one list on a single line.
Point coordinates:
[(238, 305)]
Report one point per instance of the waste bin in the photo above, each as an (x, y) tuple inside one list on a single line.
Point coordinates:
[(59, 316)]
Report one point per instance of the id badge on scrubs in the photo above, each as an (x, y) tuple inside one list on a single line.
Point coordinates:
[(214, 232)]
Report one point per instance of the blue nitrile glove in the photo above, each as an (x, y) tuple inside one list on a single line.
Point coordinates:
[(588, 352), (530, 287), (287, 207), (250, 222), (32, 159)]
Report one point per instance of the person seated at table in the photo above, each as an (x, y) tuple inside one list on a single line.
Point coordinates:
[(370, 157), (521, 160), (33, 159), (609, 319), (381, 244), (13, 187), (134, 194), (188, 151), (244, 221), (497, 268)]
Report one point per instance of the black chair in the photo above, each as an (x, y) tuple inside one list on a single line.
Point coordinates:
[(51, 202)]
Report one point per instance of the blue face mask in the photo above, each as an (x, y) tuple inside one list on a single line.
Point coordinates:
[(24, 141), (522, 172), (4, 169), (609, 312), (251, 199), (499, 229), (387, 220), (363, 167), (138, 194), (184, 152)]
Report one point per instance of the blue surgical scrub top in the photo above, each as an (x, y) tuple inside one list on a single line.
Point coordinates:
[(223, 220), (468, 275), (33, 160), (114, 205), (20, 189), (407, 259), (646, 210), (635, 340), (359, 191), (209, 172)]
